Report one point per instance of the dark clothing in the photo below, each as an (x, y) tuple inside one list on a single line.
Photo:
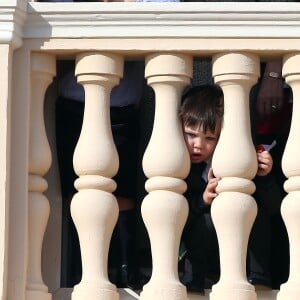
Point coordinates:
[(195, 188), (268, 198), (199, 235), (125, 132), (267, 195)]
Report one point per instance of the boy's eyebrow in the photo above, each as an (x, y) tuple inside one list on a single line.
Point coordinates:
[(208, 132), (191, 129), (213, 135)]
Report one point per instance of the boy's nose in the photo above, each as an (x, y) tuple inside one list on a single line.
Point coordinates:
[(197, 144)]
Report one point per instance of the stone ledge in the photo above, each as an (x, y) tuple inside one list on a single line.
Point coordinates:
[(127, 294)]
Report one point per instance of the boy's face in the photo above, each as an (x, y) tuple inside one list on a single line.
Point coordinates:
[(200, 145)]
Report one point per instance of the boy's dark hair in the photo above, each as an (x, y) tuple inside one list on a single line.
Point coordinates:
[(203, 106)]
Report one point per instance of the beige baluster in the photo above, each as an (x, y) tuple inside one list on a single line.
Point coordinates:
[(166, 163), (234, 210), (94, 208), (290, 208), (42, 71)]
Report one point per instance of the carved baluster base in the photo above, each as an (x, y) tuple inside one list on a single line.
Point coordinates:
[(290, 210), (239, 211), (243, 291), (39, 210), (164, 214), (155, 291), (95, 214), (95, 292)]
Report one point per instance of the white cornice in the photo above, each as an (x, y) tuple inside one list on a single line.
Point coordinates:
[(12, 16), (181, 20)]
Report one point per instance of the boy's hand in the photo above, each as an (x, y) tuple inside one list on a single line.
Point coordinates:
[(210, 192), (265, 163)]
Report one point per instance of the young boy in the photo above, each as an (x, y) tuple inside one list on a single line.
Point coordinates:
[(201, 114)]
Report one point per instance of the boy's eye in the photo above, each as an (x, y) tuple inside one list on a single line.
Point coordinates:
[(211, 138), (189, 134)]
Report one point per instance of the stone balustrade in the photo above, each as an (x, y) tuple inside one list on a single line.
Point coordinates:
[(168, 37)]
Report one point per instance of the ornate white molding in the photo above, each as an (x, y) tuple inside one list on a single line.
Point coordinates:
[(12, 16), (165, 20)]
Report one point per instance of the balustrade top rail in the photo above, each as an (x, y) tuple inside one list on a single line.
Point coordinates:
[(195, 26)]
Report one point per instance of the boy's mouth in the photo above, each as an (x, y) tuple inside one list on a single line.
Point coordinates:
[(196, 156)]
